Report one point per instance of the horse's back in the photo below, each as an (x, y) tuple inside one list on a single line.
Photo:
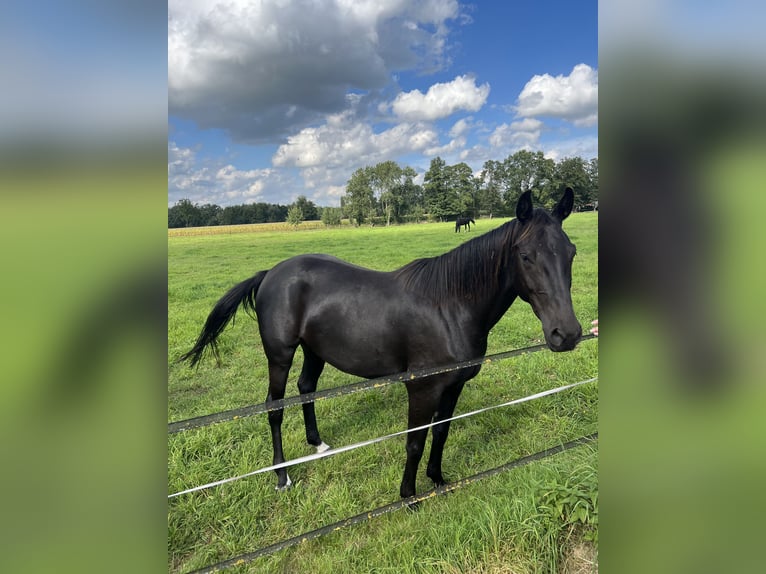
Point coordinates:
[(319, 275)]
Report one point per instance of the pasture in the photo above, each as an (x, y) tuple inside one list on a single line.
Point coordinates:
[(537, 518)]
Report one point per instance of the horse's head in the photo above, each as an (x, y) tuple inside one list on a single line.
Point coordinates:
[(543, 256)]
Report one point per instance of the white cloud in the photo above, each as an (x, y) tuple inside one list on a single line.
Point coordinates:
[(441, 100), (454, 146), (263, 70), (527, 125), (573, 97), (327, 155), (205, 181), (179, 159), (585, 147), (344, 141), (460, 127), (517, 135)]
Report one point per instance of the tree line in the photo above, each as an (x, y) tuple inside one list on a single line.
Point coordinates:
[(386, 193), (187, 214)]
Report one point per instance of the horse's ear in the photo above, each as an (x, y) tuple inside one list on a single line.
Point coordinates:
[(524, 206), (564, 206)]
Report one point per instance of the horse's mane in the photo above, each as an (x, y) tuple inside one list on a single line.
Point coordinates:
[(467, 271), (470, 270)]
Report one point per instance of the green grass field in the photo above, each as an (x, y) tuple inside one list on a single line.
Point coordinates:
[(538, 518)]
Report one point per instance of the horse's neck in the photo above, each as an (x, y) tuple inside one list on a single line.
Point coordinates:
[(492, 309), (492, 305)]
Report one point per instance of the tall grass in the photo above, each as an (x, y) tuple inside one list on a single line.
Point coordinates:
[(501, 524)]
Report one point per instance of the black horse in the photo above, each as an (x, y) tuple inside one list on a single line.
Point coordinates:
[(463, 222), (430, 312)]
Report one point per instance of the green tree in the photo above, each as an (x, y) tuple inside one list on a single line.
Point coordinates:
[(174, 218), (308, 209), (185, 214), (525, 170), (409, 196), (461, 189), (417, 214), (210, 214), (331, 216), (573, 172), (359, 201), (490, 196), (294, 215), (234, 215), (276, 213), (384, 178), (436, 188), (592, 169)]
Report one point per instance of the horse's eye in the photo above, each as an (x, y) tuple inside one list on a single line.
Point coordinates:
[(524, 257)]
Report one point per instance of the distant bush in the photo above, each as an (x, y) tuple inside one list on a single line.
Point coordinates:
[(294, 215), (331, 216)]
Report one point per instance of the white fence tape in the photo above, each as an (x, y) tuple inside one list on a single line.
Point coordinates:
[(334, 451)]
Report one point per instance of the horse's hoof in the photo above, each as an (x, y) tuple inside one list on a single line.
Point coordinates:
[(285, 486), (437, 480), (323, 447)]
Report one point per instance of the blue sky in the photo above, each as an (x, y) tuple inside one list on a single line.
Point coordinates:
[(271, 100)]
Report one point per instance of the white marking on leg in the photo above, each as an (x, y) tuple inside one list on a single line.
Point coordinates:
[(286, 486), (323, 447)]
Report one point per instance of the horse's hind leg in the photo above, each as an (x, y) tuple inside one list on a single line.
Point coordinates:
[(307, 383), (277, 382), (439, 432)]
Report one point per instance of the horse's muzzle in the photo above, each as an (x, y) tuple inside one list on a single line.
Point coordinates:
[(563, 340)]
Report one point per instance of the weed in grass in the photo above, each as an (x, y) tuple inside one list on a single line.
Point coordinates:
[(575, 502)]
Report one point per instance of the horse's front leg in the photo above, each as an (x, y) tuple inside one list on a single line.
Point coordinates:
[(440, 432), (423, 400)]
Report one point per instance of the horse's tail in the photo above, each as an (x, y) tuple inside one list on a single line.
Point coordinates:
[(223, 312)]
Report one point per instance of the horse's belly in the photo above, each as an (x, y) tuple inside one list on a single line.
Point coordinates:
[(361, 354), (380, 341)]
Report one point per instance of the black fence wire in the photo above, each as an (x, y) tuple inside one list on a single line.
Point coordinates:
[(234, 414)]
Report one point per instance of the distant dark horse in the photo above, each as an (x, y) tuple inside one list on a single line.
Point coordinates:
[(431, 312), (463, 221)]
